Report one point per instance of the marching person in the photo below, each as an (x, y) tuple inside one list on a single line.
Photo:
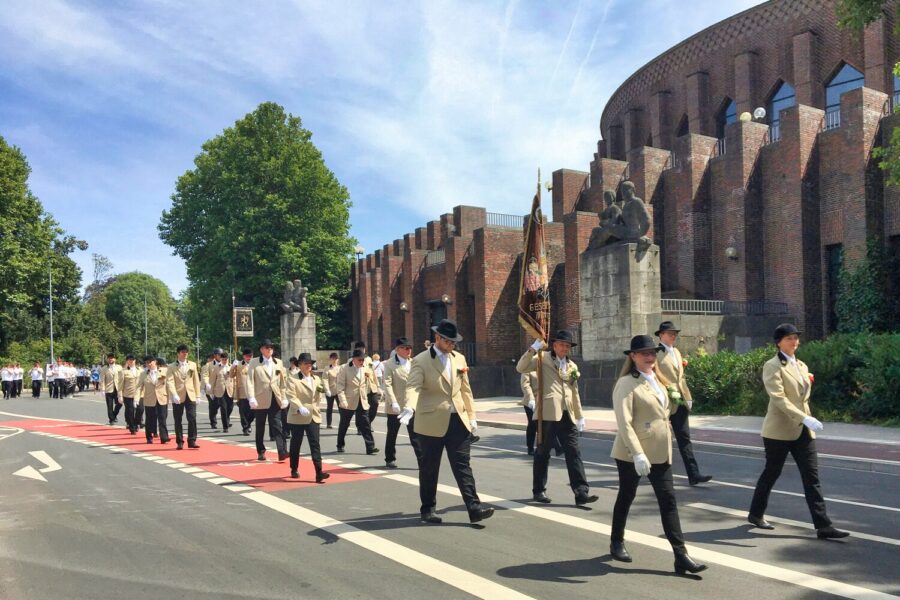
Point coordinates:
[(223, 387), (561, 417), (109, 378), (373, 393), (130, 392), (643, 446), (439, 396), (672, 365), (353, 385), (396, 374), (330, 379), (186, 378), (6, 374), (265, 380), (304, 394), (529, 383), (37, 378), (156, 388), (211, 403), (239, 375), (789, 427), (18, 378)]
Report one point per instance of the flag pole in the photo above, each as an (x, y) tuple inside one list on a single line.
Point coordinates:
[(540, 354), (233, 324)]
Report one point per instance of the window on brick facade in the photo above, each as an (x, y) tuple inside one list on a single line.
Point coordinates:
[(727, 114), (784, 97), (847, 78), (684, 127)]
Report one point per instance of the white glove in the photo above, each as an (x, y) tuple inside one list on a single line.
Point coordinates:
[(813, 423), (531, 404), (641, 464), (235, 363), (395, 408), (175, 399), (689, 403), (537, 345), (580, 424), (284, 403), (474, 425), (304, 412), (406, 415), (253, 403)]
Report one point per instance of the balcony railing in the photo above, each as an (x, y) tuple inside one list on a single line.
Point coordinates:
[(774, 133), (506, 221), (690, 306), (895, 100), (832, 118), (435, 257), (719, 150)]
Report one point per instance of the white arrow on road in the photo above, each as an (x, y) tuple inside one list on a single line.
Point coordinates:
[(30, 472)]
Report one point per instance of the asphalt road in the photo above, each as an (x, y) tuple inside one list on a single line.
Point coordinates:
[(123, 519)]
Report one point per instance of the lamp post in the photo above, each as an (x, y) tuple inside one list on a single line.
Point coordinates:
[(359, 250), (50, 272)]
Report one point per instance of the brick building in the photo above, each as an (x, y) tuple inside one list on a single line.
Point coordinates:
[(751, 216)]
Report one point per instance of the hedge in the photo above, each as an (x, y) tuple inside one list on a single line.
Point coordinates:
[(857, 379)]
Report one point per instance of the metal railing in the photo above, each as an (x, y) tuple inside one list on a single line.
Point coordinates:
[(895, 100), (467, 349), (773, 135), (720, 148), (832, 118), (690, 306), (435, 257), (754, 307), (502, 220)]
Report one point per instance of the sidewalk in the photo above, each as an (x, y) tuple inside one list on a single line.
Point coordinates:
[(865, 447)]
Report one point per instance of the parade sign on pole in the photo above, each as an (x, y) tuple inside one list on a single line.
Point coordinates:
[(243, 322)]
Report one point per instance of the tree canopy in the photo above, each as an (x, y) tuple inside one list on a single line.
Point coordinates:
[(259, 208)]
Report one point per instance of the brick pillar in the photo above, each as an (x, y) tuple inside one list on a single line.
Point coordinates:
[(645, 169), (421, 239), (807, 86), (577, 231), (745, 82), (660, 117), (616, 138), (354, 298), (448, 228), (467, 219), (411, 291), (391, 294), (433, 239), (365, 306), (461, 307), (697, 98), (635, 135), (497, 332), (606, 175), (567, 186), (373, 339), (878, 67)]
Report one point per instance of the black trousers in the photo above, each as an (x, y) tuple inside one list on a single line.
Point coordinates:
[(330, 401), (373, 406), (362, 424), (664, 488), (285, 428), (129, 414), (6, 390), (803, 449), (139, 413), (36, 389), (226, 405), (682, 430), (191, 409), (19, 383), (51, 387), (156, 422), (112, 405), (390, 444), (531, 432), (458, 443), (246, 414), (213, 410), (312, 432), (564, 433), (273, 414)]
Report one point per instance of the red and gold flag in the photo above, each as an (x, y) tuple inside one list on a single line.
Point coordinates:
[(534, 285)]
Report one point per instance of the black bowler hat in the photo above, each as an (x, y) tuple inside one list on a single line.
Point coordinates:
[(447, 329), (110, 355), (639, 343), (160, 361), (358, 353), (666, 326), (563, 335), (784, 330), (218, 351), (266, 343), (129, 357), (401, 341), (181, 348), (148, 358), (247, 351), (305, 357)]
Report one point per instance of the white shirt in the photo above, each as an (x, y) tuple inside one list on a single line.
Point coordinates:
[(153, 375), (36, 374), (404, 364), (6, 374), (19, 373), (793, 361), (445, 360), (563, 365), (267, 363), (660, 393)]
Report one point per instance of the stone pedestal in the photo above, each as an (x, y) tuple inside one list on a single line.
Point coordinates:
[(298, 334), (620, 298)]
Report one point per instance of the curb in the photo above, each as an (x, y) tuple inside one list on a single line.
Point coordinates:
[(853, 463)]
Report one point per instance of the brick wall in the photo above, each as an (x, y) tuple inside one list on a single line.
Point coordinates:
[(497, 335)]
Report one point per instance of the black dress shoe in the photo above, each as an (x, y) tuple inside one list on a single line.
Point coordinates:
[(480, 514), (225, 429), (193, 445), (295, 475), (430, 517), (759, 522), (530, 452), (340, 449), (582, 499), (261, 456), (619, 551), (700, 479), (373, 451), (246, 432), (179, 445), (543, 498), (830, 533), (321, 477), (149, 440), (282, 457), (684, 563), (390, 464)]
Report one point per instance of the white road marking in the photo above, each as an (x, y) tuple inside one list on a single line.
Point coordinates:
[(220, 480), (30, 473), (191, 470), (203, 474), (351, 466), (331, 461), (742, 515), (8, 432), (166, 461), (50, 464), (453, 576), (752, 567)]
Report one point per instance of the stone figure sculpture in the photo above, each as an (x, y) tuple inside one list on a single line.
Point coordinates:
[(612, 214), (294, 298), (631, 226)]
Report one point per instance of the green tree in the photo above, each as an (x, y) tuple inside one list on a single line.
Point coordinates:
[(31, 244), (260, 208), (868, 296)]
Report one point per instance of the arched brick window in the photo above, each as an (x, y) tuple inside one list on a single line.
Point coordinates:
[(783, 97), (727, 114), (845, 79)]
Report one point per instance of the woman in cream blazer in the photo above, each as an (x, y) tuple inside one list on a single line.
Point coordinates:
[(643, 446), (304, 393)]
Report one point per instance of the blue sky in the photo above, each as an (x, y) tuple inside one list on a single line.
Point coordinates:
[(416, 106)]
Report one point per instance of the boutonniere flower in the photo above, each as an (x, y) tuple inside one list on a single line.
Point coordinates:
[(684, 363), (463, 371), (674, 394), (574, 375), (320, 388), (812, 378)]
